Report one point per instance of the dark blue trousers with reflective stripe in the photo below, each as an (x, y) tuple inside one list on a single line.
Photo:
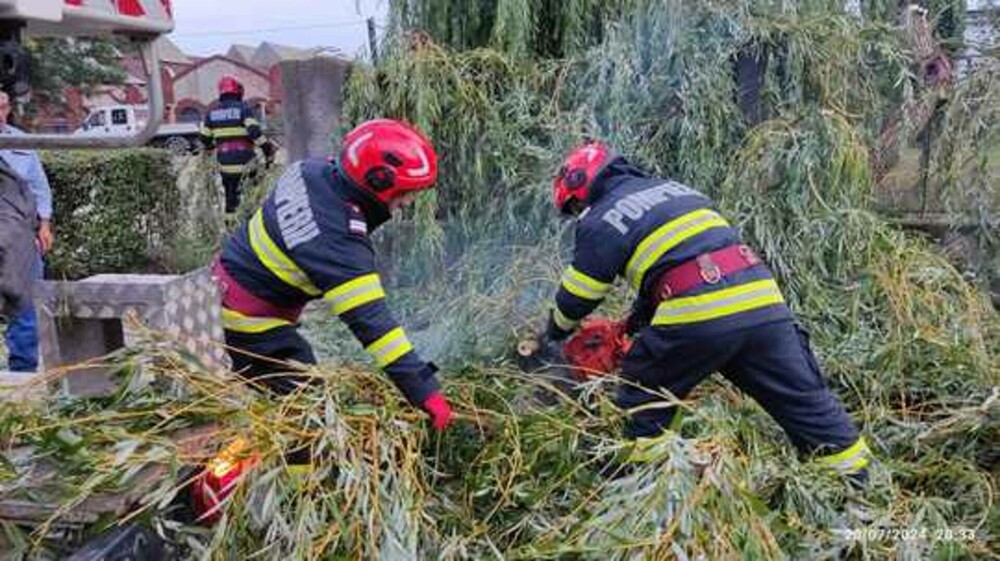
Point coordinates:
[(231, 181), (277, 345), (773, 363)]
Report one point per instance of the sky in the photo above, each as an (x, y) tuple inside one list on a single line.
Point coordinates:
[(206, 27)]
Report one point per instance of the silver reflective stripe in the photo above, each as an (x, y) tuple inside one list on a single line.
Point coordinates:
[(562, 321), (851, 460), (365, 289), (584, 286), (341, 298), (720, 303), (388, 349), (581, 289), (272, 257), (670, 237), (235, 321)]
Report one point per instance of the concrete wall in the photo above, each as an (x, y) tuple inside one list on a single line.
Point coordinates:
[(312, 104)]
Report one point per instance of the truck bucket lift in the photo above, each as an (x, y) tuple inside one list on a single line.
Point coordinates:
[(140, 20)]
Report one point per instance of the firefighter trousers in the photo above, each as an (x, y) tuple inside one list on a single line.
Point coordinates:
[(263, 357), (231, 182), (773, 363)]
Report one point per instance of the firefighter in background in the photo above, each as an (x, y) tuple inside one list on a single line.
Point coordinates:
[(309, 240), (234, 133), (706, 303)]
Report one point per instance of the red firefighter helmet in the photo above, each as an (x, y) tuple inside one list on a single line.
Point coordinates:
[(388, 158), (229, 85), (576, 176)]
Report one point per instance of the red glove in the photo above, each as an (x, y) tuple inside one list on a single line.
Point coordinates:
[(437, 407)]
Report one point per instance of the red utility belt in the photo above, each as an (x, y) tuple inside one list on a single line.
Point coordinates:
[(238, 145), (707, 268), (239, 299)]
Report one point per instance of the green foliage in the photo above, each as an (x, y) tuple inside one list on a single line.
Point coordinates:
[(512, 479), (201, 223), (521, 28), (115, 211), (965, 166), (60, 63), (948, 17), (904, 337)]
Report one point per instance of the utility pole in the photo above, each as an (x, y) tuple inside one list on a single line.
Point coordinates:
[(371, 40)]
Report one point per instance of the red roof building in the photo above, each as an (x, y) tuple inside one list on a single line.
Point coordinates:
[(189, 84)]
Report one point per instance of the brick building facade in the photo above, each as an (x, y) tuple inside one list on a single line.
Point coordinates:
[(189, 85)]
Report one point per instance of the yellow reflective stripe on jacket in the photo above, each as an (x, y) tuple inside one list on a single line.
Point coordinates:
[(235, 321), (251, 122), (232, 168), (390, 347), (564, 323), (229, 132), (354, 293), (585, 287), (274, 259), (205, 130), (852, 460), (667, 237), (720, 303)]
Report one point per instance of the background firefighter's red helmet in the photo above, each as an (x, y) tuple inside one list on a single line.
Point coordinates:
[(578, 171), (388, 158), (230, 85)]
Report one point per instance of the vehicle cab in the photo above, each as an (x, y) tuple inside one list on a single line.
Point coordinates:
[(116, 120)]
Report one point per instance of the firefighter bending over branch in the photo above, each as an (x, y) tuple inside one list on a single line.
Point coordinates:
[(309, 240), (234, 133), (706, 303)]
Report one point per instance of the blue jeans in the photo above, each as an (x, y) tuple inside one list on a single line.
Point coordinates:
[(22, 333)]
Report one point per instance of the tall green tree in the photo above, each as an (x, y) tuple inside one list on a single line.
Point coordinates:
[(60, 63)]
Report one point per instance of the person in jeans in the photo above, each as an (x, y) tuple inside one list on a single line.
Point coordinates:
[(21, 335)]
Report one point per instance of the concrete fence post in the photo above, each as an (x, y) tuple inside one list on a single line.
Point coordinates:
[(313, 96)]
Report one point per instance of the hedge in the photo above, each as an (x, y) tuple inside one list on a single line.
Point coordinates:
[(114, 211)]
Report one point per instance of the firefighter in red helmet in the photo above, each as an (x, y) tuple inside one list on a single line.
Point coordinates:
[(706, 303), (231, 129), (310, 240)]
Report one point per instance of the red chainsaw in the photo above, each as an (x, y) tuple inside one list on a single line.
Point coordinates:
[(595, 349)]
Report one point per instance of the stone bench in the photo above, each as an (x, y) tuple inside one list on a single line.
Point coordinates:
[(21, 386), (82, 320)]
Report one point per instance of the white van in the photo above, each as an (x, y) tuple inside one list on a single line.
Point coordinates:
[(125, 120)]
